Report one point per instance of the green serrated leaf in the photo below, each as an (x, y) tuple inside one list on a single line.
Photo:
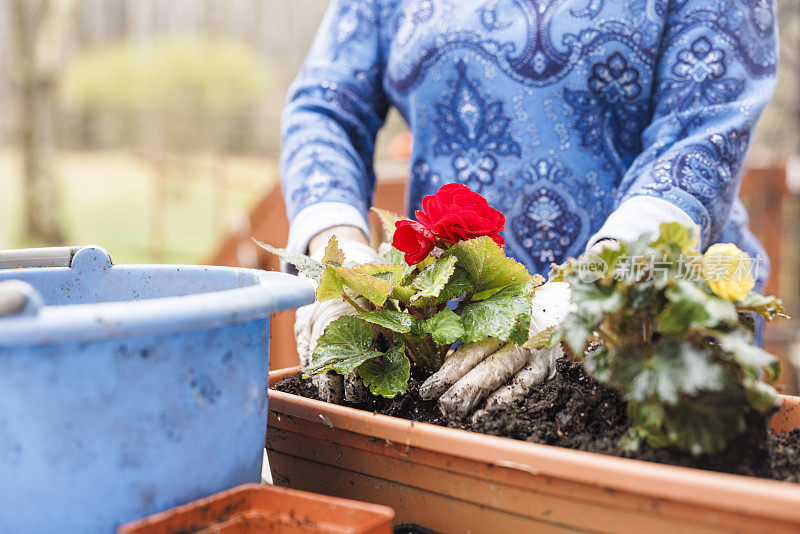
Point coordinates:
[(648, 420), (331, 285), (404, 293), (305, 265), (598, 361), (394, 270), (487, 265), (577, 328), (675, 369), (394, 256), (333, 254), (674, 233), (432, 280), (388, 375), (374, 289), (760, 395), (740, 347), (483, 295), (344, 345), (768, 307), (691, 306), (506, 315), (546, 339), (445, 327), (457, 285), (704, 424), (679, 316), (388, 219), (395, 321), (595, 299)]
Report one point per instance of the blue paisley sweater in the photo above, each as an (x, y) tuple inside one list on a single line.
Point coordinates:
[(578, 119)]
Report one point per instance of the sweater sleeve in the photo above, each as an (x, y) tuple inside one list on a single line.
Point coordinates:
[(334, 110), (714, 76)]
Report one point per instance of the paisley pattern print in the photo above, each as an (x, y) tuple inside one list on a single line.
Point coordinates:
[(698, 78), (609, 115), (556, 110), (546, 208), (473, 129), (355, 20)]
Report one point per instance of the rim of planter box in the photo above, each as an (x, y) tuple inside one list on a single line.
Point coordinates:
[(749, 495), (39, 324)]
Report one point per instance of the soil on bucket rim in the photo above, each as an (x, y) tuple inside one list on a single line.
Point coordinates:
[(574, 411)]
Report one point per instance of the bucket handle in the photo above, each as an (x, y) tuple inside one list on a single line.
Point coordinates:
[(18, 299), (85, 258), (37, 257)]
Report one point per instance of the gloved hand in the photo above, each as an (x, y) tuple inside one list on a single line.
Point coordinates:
[(502, 371), (310, 323), (600, 246)]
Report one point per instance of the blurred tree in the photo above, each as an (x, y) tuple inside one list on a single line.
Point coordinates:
[(41, 27), (182, 87)]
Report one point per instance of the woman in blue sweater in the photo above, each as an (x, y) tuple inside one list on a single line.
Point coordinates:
[(581, 120)]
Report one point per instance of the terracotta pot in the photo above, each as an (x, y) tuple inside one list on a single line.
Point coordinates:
[(252, 508), (453, 480)]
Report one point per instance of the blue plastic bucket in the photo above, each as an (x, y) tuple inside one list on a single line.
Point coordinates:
[(126, 390)]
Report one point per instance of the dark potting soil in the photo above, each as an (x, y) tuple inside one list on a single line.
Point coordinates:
[(574, 411)]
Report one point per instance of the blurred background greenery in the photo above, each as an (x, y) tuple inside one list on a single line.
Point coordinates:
[(149, 127)]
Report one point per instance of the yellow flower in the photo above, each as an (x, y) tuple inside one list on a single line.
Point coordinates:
[(728, 271)]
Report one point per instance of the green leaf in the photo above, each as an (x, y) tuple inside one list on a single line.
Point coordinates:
[(305, 265), (483, 295), (395, 270), (445, 327), (487, 265), (768, 307), (331, 285), (395, 256), (692, 306), (674, 233), (648, 420), (679, 316), (704, 424), (642, 295), (404, 293), (343, 346), (577, 329), (395, 321), (546, 339), (506, 315), (388, 375), (432, 280), (333, 254), (457, 285), (597, 361), (675, 369), (760, 395), (388, 219), (740, 347), (596, 300)]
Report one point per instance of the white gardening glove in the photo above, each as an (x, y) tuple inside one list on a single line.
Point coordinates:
[(600, 246), (503, 372), (310, 323)]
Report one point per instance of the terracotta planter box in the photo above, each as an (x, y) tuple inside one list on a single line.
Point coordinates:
[(453, 480), (254, 508)]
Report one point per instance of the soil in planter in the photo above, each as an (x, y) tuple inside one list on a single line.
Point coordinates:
[(573, 410)]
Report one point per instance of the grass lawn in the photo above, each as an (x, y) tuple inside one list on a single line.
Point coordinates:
[(141, 214)]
